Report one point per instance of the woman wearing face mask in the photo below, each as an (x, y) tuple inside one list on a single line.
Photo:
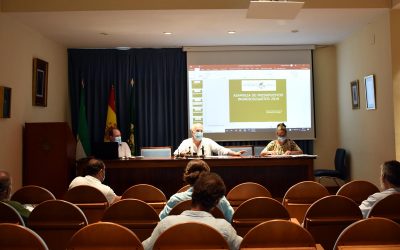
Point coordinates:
[(281, 146), (201, 146)]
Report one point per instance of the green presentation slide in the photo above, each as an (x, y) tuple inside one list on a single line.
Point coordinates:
[(257, 100)]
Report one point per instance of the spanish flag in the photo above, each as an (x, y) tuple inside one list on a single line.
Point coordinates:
[(111, 115)]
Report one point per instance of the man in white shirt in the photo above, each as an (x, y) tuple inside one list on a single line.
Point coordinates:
[(207, 191), (123, 149), (95, 172), (390, 183), (199, 145)]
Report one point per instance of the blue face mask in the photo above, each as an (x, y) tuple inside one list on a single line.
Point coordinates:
[(198, 136), (118, 139), (282, 138)]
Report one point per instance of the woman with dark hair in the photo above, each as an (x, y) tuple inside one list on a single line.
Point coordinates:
[(282, 145), (207, 192), (192, 172)]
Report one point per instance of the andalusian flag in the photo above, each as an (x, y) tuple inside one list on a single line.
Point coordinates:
[(131, 141), (83, 148), (111, 114)]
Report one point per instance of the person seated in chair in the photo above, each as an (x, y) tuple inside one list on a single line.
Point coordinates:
[(5, 193), (123, 148), (192, 172), (283, 145), (201, 146), (390, 183), (95, 173), (207, 191)]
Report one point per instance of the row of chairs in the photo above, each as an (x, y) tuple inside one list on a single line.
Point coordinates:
[(297, 199), (372, 233), (324, 219)]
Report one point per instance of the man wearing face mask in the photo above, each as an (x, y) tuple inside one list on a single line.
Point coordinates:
[(123, 149), (199, 145), (95, 173), (281, 146)]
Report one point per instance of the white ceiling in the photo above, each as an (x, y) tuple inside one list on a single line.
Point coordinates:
[(144, 28)]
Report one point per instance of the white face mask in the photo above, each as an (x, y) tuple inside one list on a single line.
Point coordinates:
[(282, 138), (118, 139), (198, 136)]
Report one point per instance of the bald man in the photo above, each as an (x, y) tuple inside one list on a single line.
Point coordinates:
[(5, 193), (199, 145)]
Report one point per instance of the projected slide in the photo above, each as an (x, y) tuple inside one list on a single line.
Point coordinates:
[(261, 100), (247, 101)]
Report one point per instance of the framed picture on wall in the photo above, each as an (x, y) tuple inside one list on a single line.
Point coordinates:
[(39, 82), (355, 95), (369, 82), (5, 102)]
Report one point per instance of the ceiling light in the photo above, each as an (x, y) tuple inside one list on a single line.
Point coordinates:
[(231, 32), (167, 33), (282, 9), (103, 33)]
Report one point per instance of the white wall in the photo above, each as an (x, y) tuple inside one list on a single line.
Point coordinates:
[(367, 135), (18, 46), (326, 106)]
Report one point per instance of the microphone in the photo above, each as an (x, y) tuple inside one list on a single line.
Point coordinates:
[(190, 151), (202, 150)]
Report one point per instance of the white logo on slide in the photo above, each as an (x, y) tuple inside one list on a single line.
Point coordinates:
[(259, 85)]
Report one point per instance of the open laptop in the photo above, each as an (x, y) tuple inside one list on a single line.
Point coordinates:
[(106, 150)]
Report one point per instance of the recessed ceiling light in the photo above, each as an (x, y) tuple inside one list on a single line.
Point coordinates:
[(231, 32), (167, 33), (295, 31), (104, 33)]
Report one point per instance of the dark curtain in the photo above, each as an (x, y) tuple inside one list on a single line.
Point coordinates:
[(160, 94), (159, 77)]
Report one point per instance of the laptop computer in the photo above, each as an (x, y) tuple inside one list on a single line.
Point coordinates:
[(106, 150)]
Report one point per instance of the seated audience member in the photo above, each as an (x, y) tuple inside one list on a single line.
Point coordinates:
[(281, 146), (95, 173), (192, 172), (123, 148), (207, 191), (201, 146), (390, 183), (5, 193)]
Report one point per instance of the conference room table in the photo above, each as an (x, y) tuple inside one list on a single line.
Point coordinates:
[(277, 174)]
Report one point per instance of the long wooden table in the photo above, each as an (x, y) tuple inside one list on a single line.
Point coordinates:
[(276, 174)]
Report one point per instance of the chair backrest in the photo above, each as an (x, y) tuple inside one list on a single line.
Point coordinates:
[(186, 205), (326, 218), (8, 214), (190, 235), (340, 163), (56, 221), (300, 196), (147, 193), (249, 149), (256, 210), (370, 232), (13, 236), (388, 207), (156, 152), (91, 200), (32, 194), (277, 233), (258, 150), (184, 188), (358, 190), (137, 215), (244, 191), (104, 235)]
